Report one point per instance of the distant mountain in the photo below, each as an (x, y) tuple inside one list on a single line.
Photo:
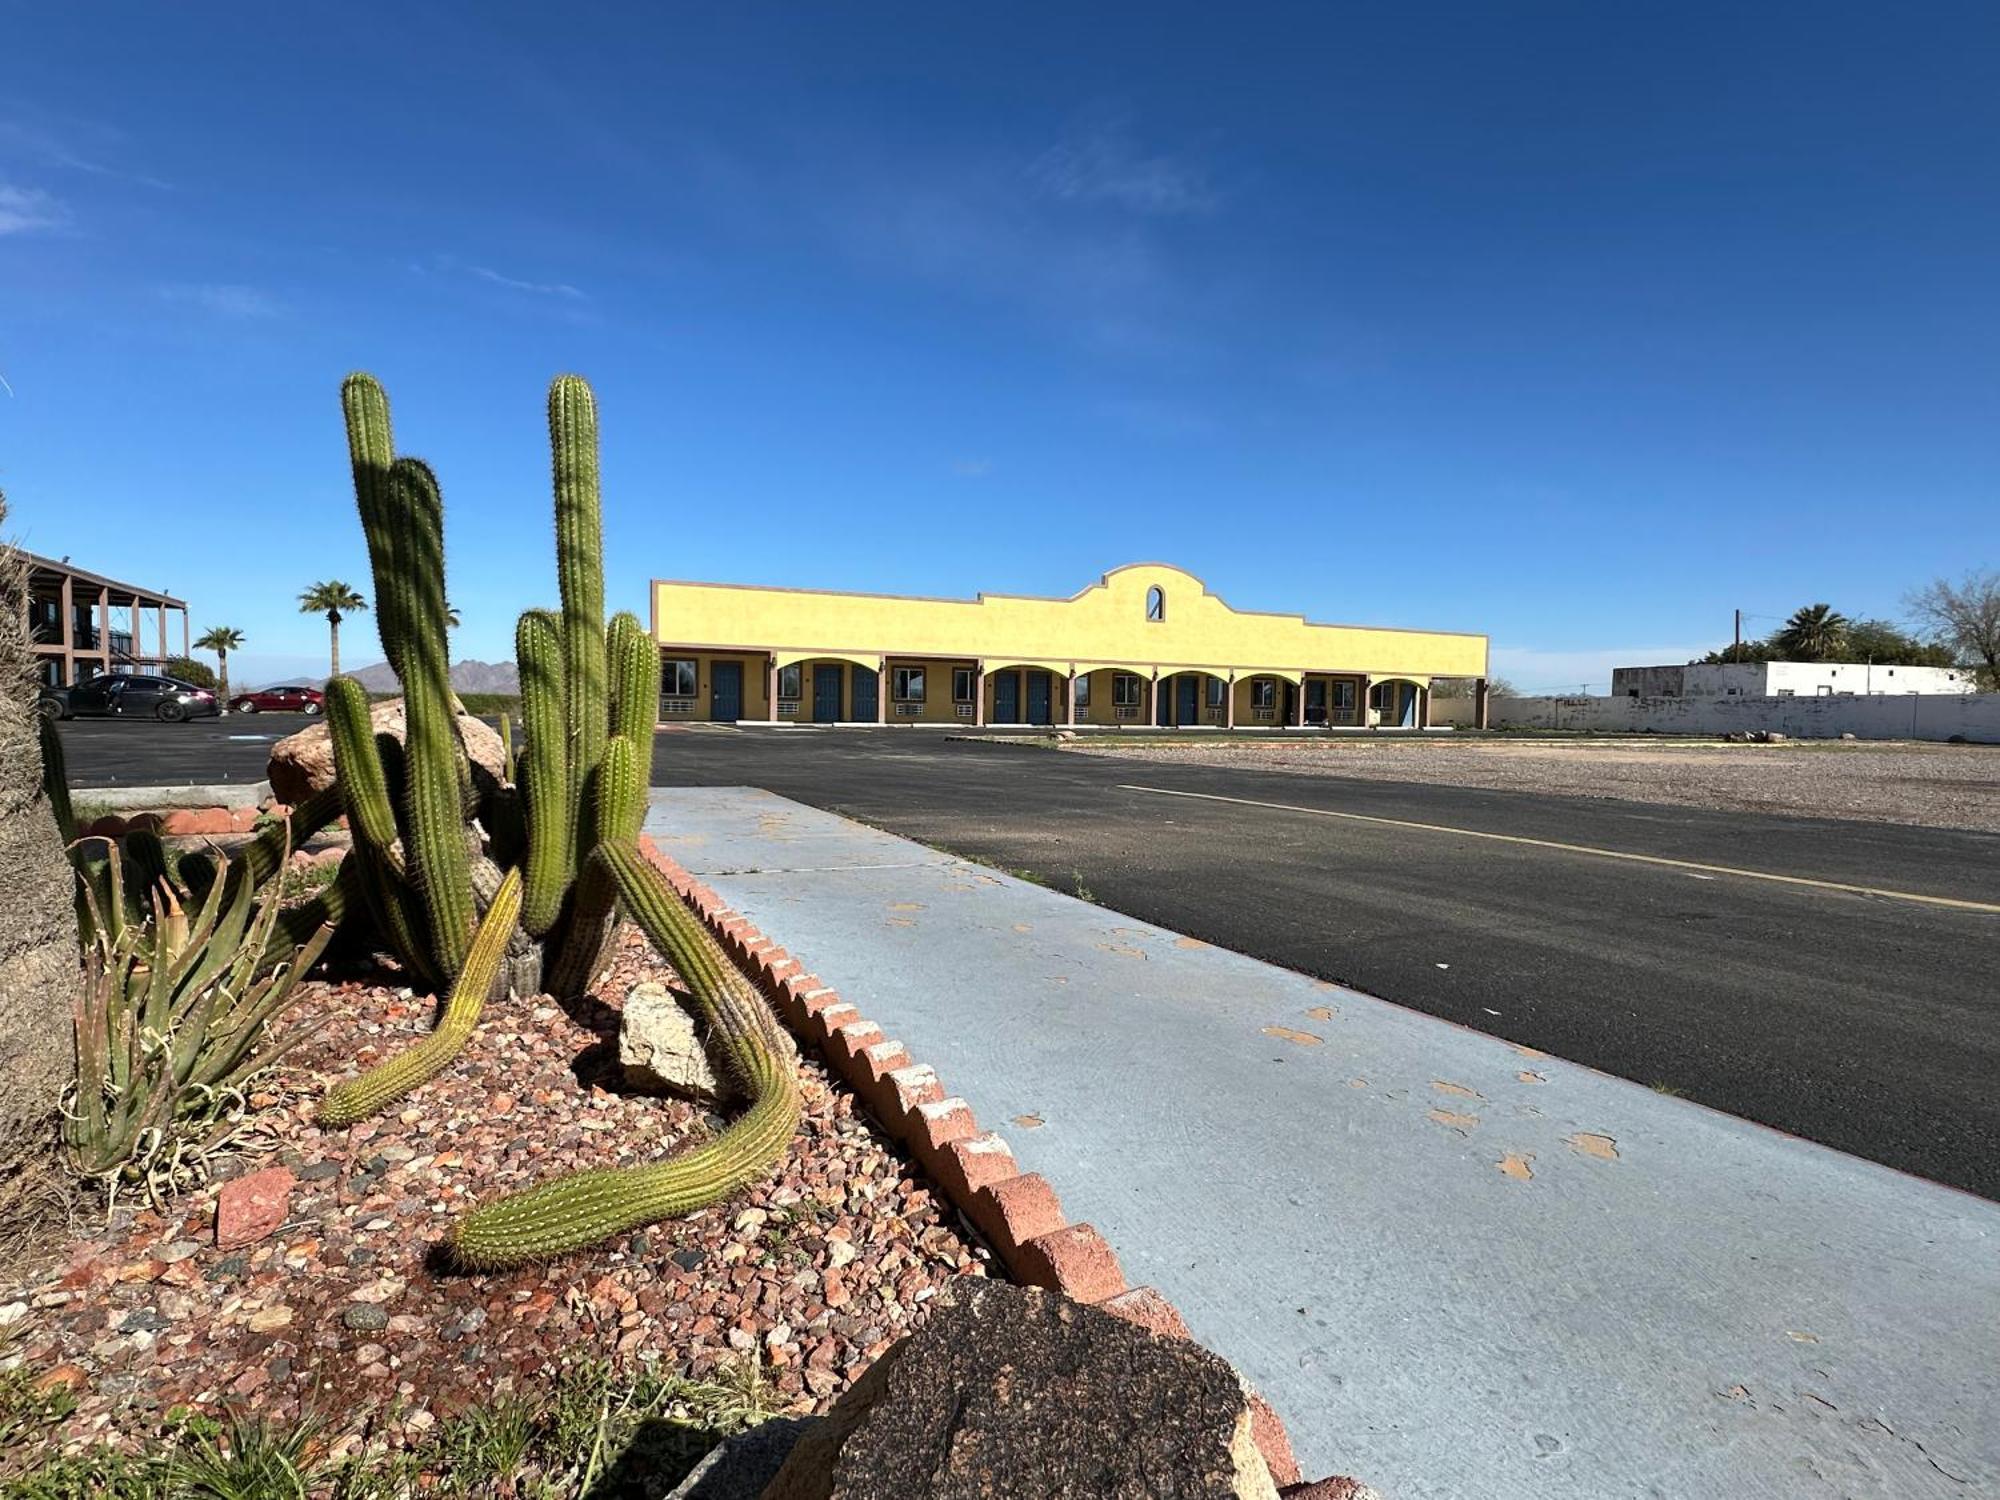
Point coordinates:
[(466, 677)]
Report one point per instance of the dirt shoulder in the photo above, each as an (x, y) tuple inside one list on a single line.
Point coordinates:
[(1930, 786)]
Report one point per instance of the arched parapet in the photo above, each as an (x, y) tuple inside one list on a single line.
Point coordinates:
[(793, 658)]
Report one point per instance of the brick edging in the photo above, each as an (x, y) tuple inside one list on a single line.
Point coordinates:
[(1017, 1212)]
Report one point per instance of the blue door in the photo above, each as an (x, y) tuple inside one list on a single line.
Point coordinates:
[(725, 691), (826, 695), (1038, 699), (1006, 697), (1187, 692), (862, 693)]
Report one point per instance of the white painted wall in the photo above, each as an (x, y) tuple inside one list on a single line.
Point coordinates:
[(1908, 716), (1776, 679)]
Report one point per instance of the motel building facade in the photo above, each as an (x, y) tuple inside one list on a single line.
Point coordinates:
[(1147, 645)]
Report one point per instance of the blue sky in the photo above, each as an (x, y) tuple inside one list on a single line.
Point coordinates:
[(1578, 324)]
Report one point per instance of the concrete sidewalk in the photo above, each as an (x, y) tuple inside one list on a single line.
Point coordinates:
[(1456, 1268)]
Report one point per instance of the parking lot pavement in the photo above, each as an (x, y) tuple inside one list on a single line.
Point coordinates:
[(109, 752)]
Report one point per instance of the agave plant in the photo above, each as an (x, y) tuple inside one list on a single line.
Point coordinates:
[(175, 1018)]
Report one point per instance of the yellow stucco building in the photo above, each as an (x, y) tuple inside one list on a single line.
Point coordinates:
[(1146, 645)]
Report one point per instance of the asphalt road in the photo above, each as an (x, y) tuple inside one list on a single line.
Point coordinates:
[(1865, 1021)]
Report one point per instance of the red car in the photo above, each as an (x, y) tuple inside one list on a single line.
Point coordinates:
[(294, 698)]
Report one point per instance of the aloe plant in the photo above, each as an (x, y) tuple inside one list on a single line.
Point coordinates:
[(174, 1017)]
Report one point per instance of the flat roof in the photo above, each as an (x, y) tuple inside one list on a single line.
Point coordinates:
[(37, 563)]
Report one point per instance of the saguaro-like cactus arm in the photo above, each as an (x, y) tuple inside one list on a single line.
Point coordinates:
[(544, 769), (621, 808), (580, 575), (381, 1086), (433, 799), (357, 767), (635, 683), (371, 450), (580, 1210)]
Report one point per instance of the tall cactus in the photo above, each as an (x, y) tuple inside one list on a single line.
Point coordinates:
[(426, 839)]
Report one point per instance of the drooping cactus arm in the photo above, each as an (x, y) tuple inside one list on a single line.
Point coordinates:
[(580, 1210), (381, 1086), (357, 767)]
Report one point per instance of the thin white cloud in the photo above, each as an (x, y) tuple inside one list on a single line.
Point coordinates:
[(226, 299), (23, 210), (537, 288), (972, 468), (1102, 164), (53, 146)]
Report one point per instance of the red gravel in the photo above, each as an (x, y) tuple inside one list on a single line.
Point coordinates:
[(814, 1272)]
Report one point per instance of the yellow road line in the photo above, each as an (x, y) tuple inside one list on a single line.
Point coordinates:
[(1639, 859)]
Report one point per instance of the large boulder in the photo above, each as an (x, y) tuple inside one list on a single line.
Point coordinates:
[(302, 763), (660, 1048), (1021, 1392)]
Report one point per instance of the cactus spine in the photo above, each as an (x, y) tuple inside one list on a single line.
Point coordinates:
[(358, 1098), (574, 1212)]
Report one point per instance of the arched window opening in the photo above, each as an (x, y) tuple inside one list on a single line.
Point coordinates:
[(1156, 603)]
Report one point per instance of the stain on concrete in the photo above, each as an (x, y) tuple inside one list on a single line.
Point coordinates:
[(1286, 1034), (1030, 1122), (1123, 950), (1801, 1338), (1517, 1165), (899, 921), (906, 906), (1526, 1077), (1024, 927), (1325, 984), (1456, 1090), (1452, 1120), (1526, 1051), (1585, 1143), (1189, 942), (1357, 1083), (1321, 1012)]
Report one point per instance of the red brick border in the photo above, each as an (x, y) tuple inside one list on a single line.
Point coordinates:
[(1016, 1211)]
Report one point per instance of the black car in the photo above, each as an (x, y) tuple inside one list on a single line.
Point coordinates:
[(129, 695)]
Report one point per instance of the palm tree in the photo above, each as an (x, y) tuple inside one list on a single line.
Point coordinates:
[(1816, 633), (332, 599), (221, 639), (450, 615)]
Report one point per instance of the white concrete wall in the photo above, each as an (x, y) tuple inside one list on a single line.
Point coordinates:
[(1910, 716), (1802, 679)]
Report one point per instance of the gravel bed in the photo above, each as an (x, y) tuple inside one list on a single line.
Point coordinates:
[(811, 1274), (1933, 786)]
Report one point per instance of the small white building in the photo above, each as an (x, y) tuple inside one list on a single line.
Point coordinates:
[(1788, 679)]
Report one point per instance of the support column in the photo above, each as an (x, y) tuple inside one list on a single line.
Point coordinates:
[(160, 618), (979, 696), (68, 631), (104, 627), (771, 688), (1302, 703), (1070, 695), (1361, 706), (1482, 715), (881, 690), (1229, 703), (1153, 700), (184, 630), (138, 633)]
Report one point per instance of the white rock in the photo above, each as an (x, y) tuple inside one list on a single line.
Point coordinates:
[(659, 1047)]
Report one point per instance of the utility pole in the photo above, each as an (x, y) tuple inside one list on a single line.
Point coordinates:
[(1737, 654)]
